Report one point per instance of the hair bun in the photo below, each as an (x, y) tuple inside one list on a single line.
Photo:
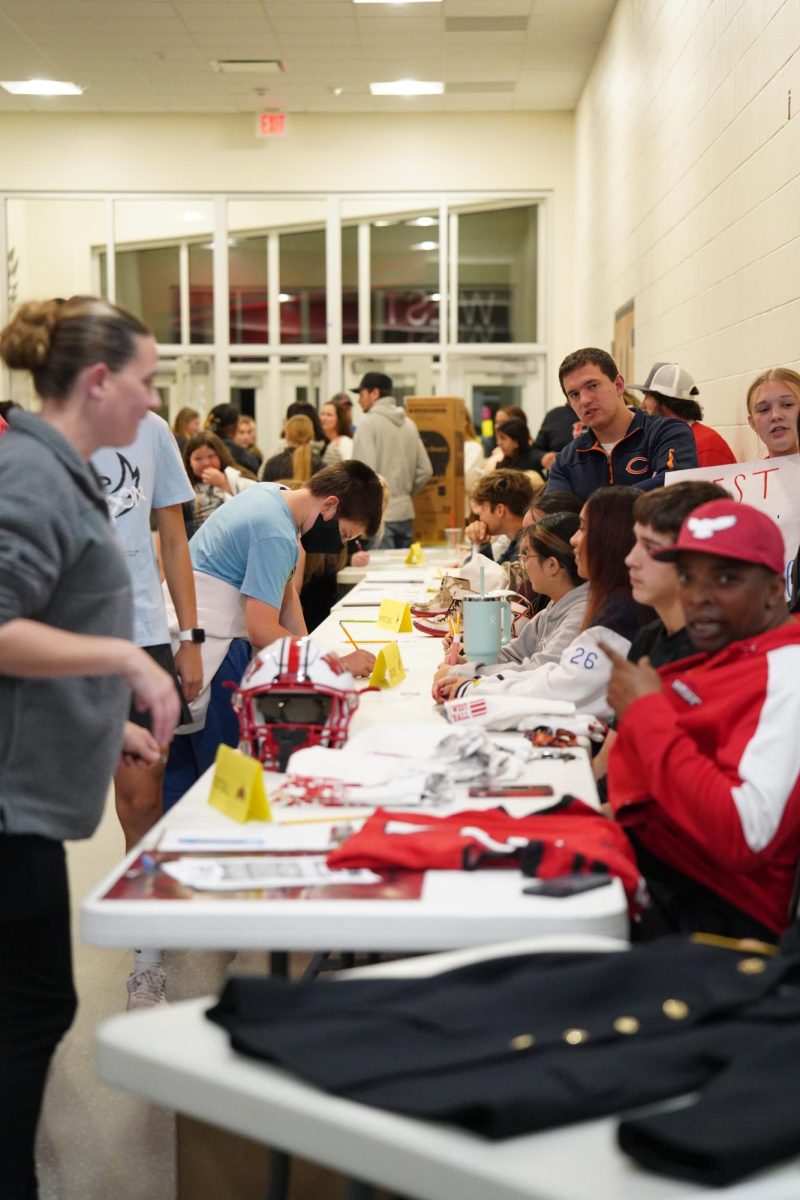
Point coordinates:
[(25, 341)]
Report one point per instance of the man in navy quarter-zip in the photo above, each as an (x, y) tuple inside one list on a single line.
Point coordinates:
[(619, 445)]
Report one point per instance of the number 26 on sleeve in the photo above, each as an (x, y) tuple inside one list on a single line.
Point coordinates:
[(584, 658)]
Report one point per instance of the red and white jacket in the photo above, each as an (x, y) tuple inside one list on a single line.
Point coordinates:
[(706, 774)]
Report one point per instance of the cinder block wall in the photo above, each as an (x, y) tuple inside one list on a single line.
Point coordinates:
[(688, 193)]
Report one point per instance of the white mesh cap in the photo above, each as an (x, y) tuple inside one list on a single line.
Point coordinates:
[(668, 379)]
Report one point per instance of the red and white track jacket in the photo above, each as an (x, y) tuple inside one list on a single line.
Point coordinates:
[(706, 774)]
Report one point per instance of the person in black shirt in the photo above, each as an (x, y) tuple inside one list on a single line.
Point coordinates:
[(657, 517), (223, 420), (514, 439), (555, 432)]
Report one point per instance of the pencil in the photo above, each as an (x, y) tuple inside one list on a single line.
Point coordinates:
[(348, 635), (368, 642)]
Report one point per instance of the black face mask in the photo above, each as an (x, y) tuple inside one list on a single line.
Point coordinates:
[(323, 537)]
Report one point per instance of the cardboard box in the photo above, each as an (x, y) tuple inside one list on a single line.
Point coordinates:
[(440, 504)]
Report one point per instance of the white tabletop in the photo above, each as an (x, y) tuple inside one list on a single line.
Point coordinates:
[(175, 1057), (454, 909), (388, 561)]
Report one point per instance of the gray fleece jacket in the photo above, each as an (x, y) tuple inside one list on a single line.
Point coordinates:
[(541, 641), (388, 441), (59, 564)]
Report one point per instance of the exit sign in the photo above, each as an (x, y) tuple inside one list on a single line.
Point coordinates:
[(270, 124)]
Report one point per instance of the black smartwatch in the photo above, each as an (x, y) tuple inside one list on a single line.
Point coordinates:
[(192, 635)]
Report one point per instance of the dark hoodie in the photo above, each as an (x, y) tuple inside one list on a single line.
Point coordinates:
[(59, 564)]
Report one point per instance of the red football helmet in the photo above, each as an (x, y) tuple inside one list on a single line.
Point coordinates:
[(293, 695)]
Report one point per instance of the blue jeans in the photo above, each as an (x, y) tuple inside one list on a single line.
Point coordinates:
[(193, 753), (397, 535)]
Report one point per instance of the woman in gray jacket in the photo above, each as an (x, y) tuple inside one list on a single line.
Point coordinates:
[(67, 668)]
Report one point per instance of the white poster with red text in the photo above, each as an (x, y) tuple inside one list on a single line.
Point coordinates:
[(771, 484)]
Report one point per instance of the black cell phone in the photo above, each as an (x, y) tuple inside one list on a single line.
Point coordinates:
[(511, 789), (565, 885)]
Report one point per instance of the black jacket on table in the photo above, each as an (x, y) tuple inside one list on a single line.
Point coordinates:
[(513, 1045)]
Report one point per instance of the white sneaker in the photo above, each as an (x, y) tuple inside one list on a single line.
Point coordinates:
[(147, 986)]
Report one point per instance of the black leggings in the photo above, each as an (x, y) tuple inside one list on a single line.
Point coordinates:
[(37, 995)]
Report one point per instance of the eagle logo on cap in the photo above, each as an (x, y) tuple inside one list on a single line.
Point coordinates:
[(703, 528)]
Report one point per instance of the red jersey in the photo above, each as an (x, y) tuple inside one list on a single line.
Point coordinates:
[(707, 772), (712, 450)]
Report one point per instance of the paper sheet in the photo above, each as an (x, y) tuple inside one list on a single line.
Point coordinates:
[(243, 873)]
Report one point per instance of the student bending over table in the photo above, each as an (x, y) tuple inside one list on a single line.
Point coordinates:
[(244, 559), (581, 674), (705, 771)]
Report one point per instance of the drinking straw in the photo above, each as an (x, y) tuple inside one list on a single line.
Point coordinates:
[(483, 581)]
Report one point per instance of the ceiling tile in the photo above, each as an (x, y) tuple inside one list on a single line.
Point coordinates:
[(146, 55)]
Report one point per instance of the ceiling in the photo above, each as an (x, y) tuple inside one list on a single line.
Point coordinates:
[(156, 55)]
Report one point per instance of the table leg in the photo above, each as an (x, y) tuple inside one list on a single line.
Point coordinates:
[(279, 1170), (279, 964), (357, 1190)]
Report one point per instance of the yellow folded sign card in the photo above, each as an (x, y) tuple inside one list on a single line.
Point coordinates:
[(415, 557), (238, 789), (388, 670), (394, 615)]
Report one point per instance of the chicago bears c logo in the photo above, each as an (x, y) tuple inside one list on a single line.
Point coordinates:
[(637, 465)]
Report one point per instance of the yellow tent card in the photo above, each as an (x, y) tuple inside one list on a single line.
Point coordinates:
[(388, 670), (415, 557), (238, 789), (394, 615)]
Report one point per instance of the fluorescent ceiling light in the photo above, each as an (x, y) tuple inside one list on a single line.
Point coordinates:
[(435, 296), (382, 224), (426, 246), (283, 297), (408, 87), (247, 66), (41, 87), (424, 222)]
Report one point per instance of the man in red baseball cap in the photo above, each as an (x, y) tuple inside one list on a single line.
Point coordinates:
[(705, 772)]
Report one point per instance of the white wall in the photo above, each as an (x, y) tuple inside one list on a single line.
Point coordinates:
[(194, 154), (688, 193)]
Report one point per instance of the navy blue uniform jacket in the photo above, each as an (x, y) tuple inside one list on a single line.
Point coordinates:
[(511, 1045), (651, 446)]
